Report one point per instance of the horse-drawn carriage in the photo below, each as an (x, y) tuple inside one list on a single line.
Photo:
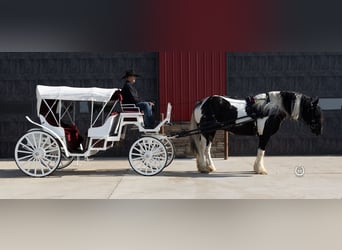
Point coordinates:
[(56, 140)]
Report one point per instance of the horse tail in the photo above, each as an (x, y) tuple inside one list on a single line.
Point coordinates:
[(194, 139)]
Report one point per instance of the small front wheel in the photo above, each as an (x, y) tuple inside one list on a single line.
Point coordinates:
[(37, 153), (148, 156), (170, 148)]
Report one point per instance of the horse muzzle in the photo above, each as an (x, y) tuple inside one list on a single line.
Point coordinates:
[(316, 129)]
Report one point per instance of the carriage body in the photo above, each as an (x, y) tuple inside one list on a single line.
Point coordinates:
[(56, 140)]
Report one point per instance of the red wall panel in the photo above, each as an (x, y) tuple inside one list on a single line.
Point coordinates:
[(187, 77)]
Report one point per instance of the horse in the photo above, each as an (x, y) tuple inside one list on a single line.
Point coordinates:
[(259, 115)]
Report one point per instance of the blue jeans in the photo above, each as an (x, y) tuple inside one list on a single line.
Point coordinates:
[(148, 115)]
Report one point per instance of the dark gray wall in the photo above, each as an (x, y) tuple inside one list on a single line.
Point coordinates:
[(21, 72), (314, 74)]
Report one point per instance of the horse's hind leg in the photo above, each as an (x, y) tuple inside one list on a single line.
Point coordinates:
[(203, 158), (200, 154), (209, 164)]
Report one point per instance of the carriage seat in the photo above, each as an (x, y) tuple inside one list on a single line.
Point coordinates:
[(105, 129), (128, 113), (125, 108), (53, 127), (71, 133)]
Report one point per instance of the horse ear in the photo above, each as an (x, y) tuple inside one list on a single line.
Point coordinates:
[(315, 101)]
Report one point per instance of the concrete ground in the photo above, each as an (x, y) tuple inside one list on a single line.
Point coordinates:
[(114, 179)]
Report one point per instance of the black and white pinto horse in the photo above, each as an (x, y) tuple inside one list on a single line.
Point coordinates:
[(260, 115)]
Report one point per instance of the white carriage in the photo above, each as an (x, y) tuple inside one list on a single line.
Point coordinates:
[(56, 140)]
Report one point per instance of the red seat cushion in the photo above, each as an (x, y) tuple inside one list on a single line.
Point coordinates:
[(73, 137)]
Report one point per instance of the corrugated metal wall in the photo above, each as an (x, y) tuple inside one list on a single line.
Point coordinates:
[(186, 77)]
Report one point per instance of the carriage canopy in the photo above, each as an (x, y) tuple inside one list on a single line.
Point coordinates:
[(73, 94)]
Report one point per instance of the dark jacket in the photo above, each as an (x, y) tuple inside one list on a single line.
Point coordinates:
[(130, 94)]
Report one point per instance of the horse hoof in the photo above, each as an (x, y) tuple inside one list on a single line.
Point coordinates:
[(204, 171), (211, 169), (262, 172)]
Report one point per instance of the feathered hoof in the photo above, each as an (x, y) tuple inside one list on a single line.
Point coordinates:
[(261, 171), (206, 169), (211, 168)]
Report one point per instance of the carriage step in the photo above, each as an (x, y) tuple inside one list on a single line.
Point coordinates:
[(76, 151)]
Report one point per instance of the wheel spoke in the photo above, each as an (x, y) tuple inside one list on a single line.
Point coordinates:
[(34, 141), (24, 152), (26, 147), (35, 168), (139, 150), (51, 150), (45, 164), (139, 160), (53, 154), (158, 151), (28, 139), (42, 168), (39, 140), (28, 162), (25, 157), (52, 145), (159, 159), (136, 154), (45, 141)]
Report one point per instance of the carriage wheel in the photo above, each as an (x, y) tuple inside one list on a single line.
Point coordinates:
[(148, 156), (170, 149), (65, 161), (169, 146), (37, 153)]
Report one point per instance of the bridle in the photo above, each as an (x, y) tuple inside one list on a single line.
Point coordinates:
[(314, 124)]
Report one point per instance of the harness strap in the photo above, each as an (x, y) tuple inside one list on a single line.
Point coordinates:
[(210, 127), (296, 107), (267, 97)]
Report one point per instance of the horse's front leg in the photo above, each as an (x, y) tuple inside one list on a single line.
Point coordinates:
[(259, 167), (266, 128)]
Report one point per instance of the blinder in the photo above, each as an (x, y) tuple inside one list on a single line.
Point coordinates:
[(315, 125)]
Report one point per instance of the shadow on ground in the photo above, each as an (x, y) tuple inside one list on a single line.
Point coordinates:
[(16, 173)]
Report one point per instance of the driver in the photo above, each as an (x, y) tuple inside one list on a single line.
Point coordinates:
[(130, 96)]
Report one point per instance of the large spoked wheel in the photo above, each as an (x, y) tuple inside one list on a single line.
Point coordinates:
[(65, 161), (148, 156), (37, 153)]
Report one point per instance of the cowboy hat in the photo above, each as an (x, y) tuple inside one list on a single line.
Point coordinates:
[(130, 73)]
